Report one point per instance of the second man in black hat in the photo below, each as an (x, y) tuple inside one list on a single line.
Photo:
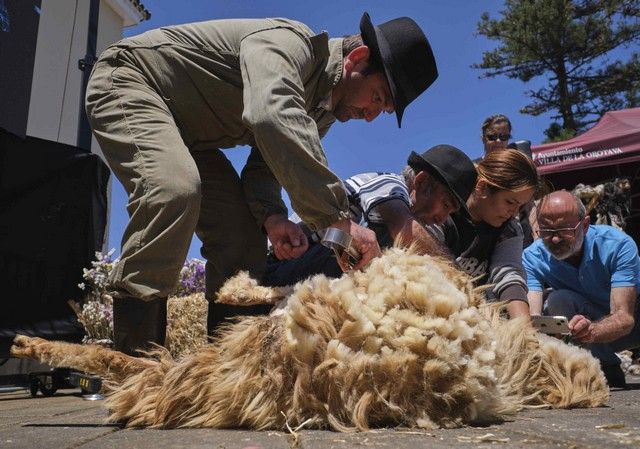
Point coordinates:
[(433, 185)]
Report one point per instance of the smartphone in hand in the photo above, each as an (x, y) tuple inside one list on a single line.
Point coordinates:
[(553, 325)]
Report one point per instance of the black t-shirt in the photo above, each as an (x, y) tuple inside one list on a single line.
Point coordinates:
[(492, 255)]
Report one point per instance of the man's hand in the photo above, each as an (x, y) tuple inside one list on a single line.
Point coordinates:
[(583, 329), (364, 241), (611, 327), (286, 237)]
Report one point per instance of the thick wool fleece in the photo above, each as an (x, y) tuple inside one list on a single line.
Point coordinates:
[(404, 342)]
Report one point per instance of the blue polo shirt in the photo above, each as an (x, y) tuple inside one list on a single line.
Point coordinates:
[(610, 260)]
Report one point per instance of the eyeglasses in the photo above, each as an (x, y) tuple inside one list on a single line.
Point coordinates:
[(500, 137), (563, 233)]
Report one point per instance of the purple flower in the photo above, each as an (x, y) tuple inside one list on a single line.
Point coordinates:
[(192, 278)]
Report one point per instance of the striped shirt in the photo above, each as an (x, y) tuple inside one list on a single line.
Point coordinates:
[(365, 192)]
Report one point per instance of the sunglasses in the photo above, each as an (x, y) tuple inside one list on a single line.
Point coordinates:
[(500, 137), (563, 233)]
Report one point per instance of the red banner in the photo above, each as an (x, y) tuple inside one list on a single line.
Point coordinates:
[(615, 139)]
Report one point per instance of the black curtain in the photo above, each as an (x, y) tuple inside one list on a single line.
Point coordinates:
[(53, 204)]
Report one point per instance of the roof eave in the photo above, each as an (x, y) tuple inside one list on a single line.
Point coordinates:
[(132, 12)]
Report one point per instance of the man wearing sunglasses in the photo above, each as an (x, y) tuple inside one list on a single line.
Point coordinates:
[(594, 275), (496, 132)]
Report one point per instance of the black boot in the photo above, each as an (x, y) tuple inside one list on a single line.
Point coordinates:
[(138, 323), (615, 376)]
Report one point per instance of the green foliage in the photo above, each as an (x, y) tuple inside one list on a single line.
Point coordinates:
[(575, 45), (556, 133)]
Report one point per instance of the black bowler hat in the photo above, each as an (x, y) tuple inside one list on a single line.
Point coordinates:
[(402, 49), (450, 166)]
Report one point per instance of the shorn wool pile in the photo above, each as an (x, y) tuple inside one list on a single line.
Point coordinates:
[(406, 342)]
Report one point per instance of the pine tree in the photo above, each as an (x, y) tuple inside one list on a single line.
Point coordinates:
[(585, 50)]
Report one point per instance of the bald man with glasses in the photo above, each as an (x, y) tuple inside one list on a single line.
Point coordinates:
[(593, 272)]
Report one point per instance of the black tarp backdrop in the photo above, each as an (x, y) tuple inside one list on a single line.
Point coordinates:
[(53, 205), (19, 21)]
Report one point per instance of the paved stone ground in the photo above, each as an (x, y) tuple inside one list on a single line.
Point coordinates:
[(67, 421)]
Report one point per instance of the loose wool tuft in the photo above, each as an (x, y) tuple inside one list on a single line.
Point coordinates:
[(406, 342)]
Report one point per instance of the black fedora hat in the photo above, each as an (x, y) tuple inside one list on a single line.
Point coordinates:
[(402, 49), (450, 166)]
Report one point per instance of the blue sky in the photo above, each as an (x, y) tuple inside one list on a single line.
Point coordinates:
[(451, 111)]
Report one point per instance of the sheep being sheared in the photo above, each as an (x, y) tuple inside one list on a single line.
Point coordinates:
[(608, 203), (405, 342)]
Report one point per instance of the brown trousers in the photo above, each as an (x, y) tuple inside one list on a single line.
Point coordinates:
[(172, 192)]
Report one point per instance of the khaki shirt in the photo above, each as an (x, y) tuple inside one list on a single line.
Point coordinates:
[(253, 82)]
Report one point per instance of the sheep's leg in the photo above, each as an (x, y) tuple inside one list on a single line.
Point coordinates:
[(110, 364)]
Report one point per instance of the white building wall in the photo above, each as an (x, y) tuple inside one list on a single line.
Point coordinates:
[(55, 33), (57, 82), (70, 114)]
